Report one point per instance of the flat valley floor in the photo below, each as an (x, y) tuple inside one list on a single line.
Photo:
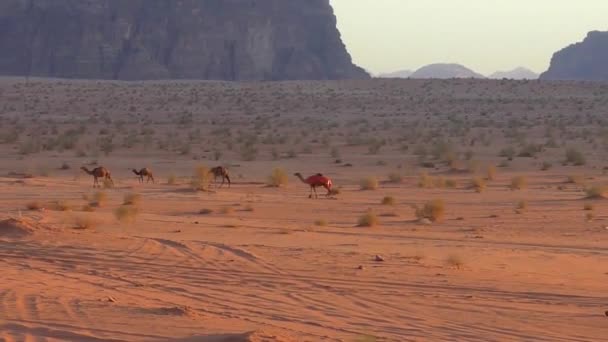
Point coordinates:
[(516, 248)]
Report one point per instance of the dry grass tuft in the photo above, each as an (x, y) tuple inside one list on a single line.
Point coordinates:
[(491, 173), (321, 222), (433, 210), (132, 199), (478, 184), (521, 206), (62, 206), (395, 177), (596, 191), (201, 178), (126, 213), (455, 261), (84, 222), (588, 207), (389, 200), (278, 178), (518, 183), (99, 199), (369, 219), (172, 180), (369, 183)]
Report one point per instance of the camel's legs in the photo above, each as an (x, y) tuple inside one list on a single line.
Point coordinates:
[(95, 182), (314, 188), (223, 180)]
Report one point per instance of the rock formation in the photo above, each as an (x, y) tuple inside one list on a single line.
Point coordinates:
[(587, 60), (443, 71), (520, 73), (165, 39)]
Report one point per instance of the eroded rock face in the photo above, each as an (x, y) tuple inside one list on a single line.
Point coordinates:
[(162, 39), (587, 60)]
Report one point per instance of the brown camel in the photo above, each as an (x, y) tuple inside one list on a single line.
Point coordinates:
[(220, 171), (99, 172), (316, 181), (144, 172)]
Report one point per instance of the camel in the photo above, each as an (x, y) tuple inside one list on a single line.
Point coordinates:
[(144, 172), (99, 172), (220, 171), (316, 181)]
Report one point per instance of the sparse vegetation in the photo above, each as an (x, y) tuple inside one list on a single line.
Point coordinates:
[(132, 199), (521, 206), (369, 219), (596, 191), (126, 213), (478, 184), (201, 178), (389, 200), (278, 178), (519, 183), (455, 261), (34, 205), (395, 177), (84, 222), (369, 183), (433, 210), (206, 211), (321, 223), (99, 199), (575, 157)]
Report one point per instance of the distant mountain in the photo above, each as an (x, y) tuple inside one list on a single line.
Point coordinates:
[(445, 71), (397, 74), (520, 73), (587, 60)]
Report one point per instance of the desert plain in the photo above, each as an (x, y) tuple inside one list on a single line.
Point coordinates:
[(462, 210)]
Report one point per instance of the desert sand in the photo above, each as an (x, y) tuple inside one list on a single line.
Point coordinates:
[(519, 252)]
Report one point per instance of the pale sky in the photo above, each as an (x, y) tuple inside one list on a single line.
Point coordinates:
[(484, 35)]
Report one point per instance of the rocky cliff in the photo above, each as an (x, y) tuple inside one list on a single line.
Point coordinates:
[(181, 39), (587, 60)]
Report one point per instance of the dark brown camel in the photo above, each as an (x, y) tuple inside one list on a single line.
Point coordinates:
[(144, 172), (99, 172), (220, 171), (316, 181)]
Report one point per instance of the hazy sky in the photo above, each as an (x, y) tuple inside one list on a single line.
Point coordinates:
[(485, 35)]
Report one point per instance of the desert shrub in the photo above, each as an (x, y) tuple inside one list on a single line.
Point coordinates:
[(108, 184), (450, 183), (335, 153), (61, 206), (369, 219), (206, 211), (369, 183), (34, 205), (278, 178), (395, 177), (589, 216), (389, 200), (455, 261), (65, 166), (491, 173), (84, 222), (575, 157), (217, 155), (126, 213), (249, 152), (596, 191), (478, 184), (433, 210), (439, 182), (171, 180), (546, 166), (425, 181), (99, 199), (201, 178), (588, 207), (321, 223), (519, 183), (132, 199), (521, 206)]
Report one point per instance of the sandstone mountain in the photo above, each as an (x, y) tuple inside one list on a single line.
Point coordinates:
[(587, 60), (444, 71), (164, 39), (520, 73)]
